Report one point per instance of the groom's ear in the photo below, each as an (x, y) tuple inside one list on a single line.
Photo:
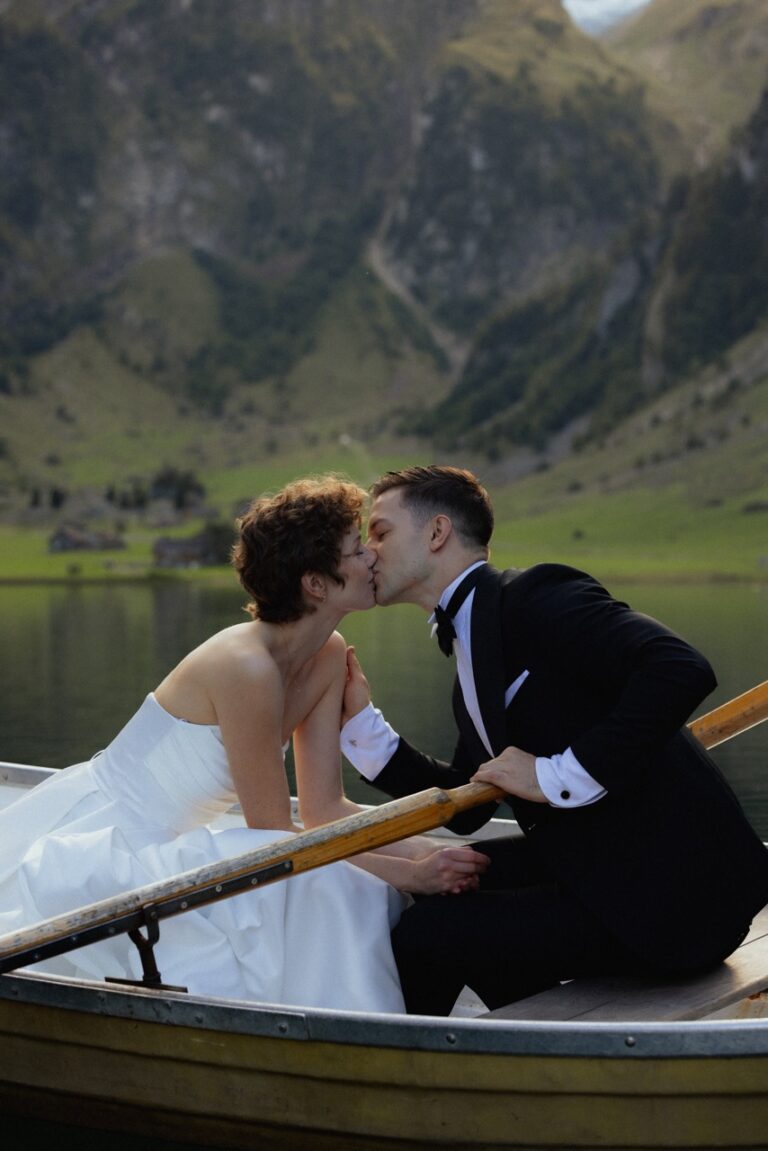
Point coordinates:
[(441, 528)]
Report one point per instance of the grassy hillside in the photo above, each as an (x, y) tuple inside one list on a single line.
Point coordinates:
[(538, 38), (90, 412), (679, 490), (705, 63)]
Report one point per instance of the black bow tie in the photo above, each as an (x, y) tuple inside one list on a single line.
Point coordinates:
[(446, 633)]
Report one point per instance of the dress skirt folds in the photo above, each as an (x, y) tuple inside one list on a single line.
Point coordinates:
[(141, 811)]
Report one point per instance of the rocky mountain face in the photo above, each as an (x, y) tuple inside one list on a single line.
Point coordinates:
[(529, 158), (655, 271), (719, 256), (238, 131), (528, 202)]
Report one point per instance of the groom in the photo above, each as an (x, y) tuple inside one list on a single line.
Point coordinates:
[(636, 856)]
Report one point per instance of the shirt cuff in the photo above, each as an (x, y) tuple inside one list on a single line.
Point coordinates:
[(368, 741), (565, 782)]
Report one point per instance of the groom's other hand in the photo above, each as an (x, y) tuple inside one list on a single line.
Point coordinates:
[(357, 692)]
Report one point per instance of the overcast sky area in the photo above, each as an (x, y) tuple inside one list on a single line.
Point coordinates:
[(593, 15)]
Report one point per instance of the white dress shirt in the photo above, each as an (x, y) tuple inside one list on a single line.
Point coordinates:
[(369, 742)]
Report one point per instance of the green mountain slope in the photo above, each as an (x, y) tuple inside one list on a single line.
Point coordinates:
[(675, 295), (254, 235), (680, 488), (89, 411), (705, 63), (720, 253)]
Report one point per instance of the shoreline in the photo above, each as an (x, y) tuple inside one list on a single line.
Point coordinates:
[(222, 576)]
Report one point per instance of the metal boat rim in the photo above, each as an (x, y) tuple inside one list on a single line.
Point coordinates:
[(625, 1040)]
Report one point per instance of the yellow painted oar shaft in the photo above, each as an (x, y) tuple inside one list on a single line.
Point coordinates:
[(363, 831)]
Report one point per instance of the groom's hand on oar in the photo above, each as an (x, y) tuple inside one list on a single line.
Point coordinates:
[(514, 771), (357, 692)]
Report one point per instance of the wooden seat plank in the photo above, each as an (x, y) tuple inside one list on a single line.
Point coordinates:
[(619, 998)]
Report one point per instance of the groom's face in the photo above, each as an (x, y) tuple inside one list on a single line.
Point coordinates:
[(401, 544)]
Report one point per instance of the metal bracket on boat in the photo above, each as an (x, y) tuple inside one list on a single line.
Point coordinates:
[(152, 912), (145, 945)]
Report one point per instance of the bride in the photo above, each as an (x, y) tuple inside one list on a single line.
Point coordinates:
[(212, 733)]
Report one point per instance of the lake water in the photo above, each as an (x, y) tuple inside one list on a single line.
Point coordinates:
[(77, 661)]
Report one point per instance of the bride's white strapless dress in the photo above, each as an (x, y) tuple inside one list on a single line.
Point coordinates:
[(141, 811)]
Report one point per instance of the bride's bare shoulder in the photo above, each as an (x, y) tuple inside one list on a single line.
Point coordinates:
[(333, 654), (236, 651), (336, 646)]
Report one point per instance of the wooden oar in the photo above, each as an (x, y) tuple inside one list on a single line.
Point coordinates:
[(732, 718), (364, 831)]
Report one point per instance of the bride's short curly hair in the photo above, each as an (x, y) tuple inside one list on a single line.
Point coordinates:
[(283, 536)]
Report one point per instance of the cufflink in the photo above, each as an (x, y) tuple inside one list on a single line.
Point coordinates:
[(353, 742), (565, 795)]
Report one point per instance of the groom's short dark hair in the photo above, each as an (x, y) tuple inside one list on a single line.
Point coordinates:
[(436, 489)]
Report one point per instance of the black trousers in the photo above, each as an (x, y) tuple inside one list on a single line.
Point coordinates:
[(520, 933)]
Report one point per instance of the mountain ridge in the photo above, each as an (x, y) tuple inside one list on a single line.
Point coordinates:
[(466, 230)]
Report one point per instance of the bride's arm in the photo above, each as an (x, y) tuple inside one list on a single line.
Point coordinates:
[(414, 864), (248, 697), (316, 743), (442, 871)]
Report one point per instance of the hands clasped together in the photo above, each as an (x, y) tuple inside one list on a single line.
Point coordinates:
[(448, 871)]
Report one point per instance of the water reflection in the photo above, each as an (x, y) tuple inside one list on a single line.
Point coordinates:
[(78, 661)]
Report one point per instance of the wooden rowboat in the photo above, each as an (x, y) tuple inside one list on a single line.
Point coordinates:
[(237, 1075), (619, 1065)]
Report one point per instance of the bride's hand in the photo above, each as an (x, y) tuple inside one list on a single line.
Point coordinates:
[(448, 871), (357, 693)]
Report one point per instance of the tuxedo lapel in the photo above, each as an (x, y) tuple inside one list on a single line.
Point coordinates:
[(488, 656)]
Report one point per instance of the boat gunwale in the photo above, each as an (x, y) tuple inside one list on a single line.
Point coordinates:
[(690, 1039), (24, 774)]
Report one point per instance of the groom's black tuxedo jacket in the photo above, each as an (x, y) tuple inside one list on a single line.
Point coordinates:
[(666, 859)]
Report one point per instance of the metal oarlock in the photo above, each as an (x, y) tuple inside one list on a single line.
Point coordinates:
[(145, 945)]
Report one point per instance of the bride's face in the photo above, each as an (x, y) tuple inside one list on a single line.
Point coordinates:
[(358, 592)]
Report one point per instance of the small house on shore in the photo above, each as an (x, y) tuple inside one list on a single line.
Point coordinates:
[(209, 547), (76, 538)]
